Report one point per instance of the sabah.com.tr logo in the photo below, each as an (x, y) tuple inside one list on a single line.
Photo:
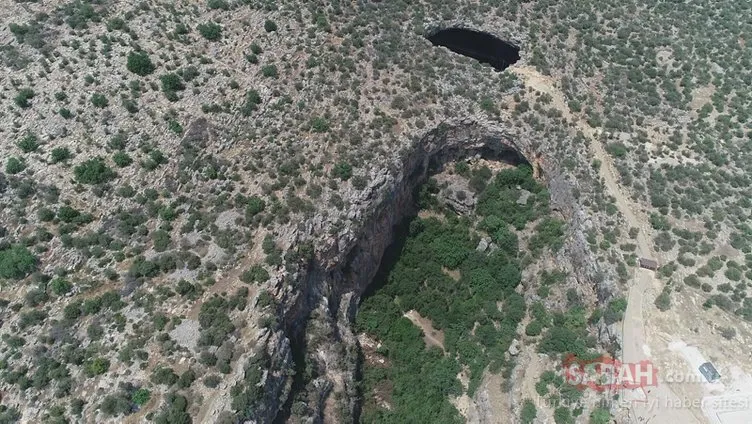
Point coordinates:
[(605, 373)]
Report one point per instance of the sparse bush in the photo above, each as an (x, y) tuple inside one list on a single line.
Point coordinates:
[(342, 170), (728, 333), (269, 71), (663, 301), (270, 26), (99, 100), (257, 274), (210, 31), (96, 366), (139, 63), (171, 84), (93, 171), (252, 100), (60, 154), (141, 396), (320, 124), (529, 412), (28, 143), (122, 159), (14, 165), (22, 98), (16, 262)]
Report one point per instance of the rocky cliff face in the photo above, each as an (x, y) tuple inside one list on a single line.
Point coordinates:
[(331, 284)]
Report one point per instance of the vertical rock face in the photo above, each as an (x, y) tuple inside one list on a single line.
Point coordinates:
[(481, 46), (345, 264)]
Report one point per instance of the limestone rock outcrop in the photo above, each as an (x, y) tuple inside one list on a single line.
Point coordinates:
[(345, 263)]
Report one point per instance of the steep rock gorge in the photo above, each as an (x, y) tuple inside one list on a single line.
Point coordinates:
[(481, 46), (318, 301)]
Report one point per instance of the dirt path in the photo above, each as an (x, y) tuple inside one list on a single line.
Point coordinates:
[(657, 403), (431, 336)]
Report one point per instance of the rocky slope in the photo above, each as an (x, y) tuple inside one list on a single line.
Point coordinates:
[(236, 169), (331, 284)]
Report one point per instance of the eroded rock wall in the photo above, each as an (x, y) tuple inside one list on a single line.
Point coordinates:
[(345, 263)]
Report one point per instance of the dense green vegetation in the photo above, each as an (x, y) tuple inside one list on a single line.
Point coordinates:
[(139, 63), (16, 262), (93, 171), (479, 313), (345, 86), (210, 31)]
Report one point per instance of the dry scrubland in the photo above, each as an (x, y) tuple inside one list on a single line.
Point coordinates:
[(169, 167)]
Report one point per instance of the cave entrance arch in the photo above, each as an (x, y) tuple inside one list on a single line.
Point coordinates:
[(478, 45)]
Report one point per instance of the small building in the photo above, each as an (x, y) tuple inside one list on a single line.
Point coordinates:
[(711, 374), (650, 264)]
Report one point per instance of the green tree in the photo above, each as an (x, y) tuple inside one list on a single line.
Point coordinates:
[(616, 149), (269, 71), (663, 301), (94, 171), (615, 310), (342, 170), (22, 98), (60, 154), (563, 415), (28, 143), (16, 262), (210, 31), (254, 206), (529, 412), (174, 411), (99, 100), (252, 100), (14, 165), (141, 396), (96, 367), (171, 84), (270, 26), (218, 4), (600, 416), (534, 328), (60, 286), (139, 63), (320, 124), (257, 274)]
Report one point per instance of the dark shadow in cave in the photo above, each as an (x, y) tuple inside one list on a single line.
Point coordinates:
[(401, 231), (481, 46), (500, 153)]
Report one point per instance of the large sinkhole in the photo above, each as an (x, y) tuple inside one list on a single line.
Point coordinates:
[(481, 46), (445, 301)]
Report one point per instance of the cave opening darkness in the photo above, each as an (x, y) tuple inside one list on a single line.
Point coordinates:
[(480, 46)]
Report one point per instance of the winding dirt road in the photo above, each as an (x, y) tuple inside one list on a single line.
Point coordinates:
[(657, 404)]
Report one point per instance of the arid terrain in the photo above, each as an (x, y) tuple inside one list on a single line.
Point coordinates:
[(277, 211)]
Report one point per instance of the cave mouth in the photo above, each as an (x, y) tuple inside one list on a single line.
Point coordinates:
[(480, 46)]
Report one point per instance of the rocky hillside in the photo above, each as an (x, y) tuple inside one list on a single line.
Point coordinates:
[(193, 196)]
